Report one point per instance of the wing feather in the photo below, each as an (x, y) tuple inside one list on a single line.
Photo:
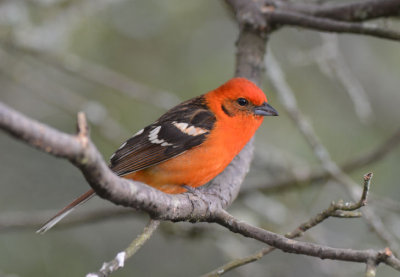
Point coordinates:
[(163, 140)]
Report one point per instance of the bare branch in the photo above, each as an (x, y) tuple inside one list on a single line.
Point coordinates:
[(331, 211), (354, 11), (304, 248), (279, 18), (136, 244), (261, 15), (251, 43)]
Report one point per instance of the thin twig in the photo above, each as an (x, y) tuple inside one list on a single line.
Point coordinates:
[(340, 206), (331, 211), (119, 260)]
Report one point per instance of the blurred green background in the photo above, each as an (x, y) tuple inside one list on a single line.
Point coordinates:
[(124, 63)]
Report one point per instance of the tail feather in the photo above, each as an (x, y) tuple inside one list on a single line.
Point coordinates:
[(65, 211)]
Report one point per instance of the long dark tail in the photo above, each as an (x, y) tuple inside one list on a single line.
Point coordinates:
[(65, 211)]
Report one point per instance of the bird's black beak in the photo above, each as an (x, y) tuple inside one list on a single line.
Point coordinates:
[(265, 109)]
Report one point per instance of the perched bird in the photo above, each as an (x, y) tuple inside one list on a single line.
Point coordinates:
[(191, 143)]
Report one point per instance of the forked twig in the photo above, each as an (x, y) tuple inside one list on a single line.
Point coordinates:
[(339, 209)]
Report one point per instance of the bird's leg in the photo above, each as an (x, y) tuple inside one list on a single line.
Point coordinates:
[(190, 189)]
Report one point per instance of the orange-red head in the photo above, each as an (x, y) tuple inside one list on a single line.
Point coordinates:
[(239, 97)]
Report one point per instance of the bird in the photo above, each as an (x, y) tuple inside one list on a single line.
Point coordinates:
[(190, 144)]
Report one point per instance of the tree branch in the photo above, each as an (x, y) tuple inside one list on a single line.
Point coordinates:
[(354, 11), (252, 40), (310, 249), (279, 18), (338, 18), (333, 210)]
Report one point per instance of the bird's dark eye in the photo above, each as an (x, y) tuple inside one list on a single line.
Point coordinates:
[(242, 101)]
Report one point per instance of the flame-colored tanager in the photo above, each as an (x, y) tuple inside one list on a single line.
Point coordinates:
[(191, 143)]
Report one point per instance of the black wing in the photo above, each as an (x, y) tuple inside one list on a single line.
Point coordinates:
[(181, 128)]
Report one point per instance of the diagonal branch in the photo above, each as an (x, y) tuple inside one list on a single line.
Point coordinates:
[(281, 18), (360, 10), (136, 244)]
